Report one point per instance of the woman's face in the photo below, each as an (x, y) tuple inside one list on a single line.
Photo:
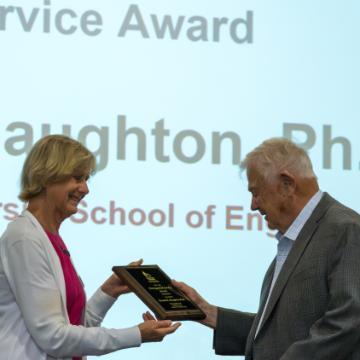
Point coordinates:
[(64, 197)]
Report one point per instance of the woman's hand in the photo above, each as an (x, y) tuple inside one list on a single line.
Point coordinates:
[(153, 330), (115, 286)]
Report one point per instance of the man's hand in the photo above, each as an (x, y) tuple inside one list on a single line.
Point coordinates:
[(211, 311), (153, 330), (115, 285)]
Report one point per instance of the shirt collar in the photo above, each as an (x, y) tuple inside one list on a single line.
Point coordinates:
[(293, 231)]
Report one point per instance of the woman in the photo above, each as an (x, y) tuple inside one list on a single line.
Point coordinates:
[(43, 311)]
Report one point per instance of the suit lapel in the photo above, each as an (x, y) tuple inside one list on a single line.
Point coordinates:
[(263, 297), (295, 254)]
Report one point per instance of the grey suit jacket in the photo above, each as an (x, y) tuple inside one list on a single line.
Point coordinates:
[(314, 308)]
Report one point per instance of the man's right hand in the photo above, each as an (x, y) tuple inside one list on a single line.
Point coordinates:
[(153, 330), (211, 311)]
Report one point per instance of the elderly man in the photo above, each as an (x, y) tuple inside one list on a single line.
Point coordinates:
[(310, 298)]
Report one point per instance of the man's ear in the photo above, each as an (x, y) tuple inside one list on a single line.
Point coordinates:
[(288, 182)]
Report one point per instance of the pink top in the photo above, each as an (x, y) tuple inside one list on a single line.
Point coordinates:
[(75, 294)]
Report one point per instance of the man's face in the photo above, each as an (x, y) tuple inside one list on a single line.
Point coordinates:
[(269, 198)]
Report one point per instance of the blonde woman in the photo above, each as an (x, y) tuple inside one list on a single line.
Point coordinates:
[(43, 309)]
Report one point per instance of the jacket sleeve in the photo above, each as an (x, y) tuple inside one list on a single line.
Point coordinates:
[(231, 331), (34, 287), (97, 307), (336, 334)]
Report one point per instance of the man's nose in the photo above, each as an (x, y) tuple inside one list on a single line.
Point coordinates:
[(254, 204)]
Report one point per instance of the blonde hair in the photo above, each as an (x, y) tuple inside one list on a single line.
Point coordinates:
[(277, 154), (53, 159)]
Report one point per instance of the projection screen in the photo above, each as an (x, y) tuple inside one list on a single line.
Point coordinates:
[(170, 96)]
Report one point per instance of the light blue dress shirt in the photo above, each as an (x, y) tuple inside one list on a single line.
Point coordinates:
[(286, 241)]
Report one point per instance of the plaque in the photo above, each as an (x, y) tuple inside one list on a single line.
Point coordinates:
[(154, 288)]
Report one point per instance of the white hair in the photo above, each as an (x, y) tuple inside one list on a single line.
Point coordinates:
[(277, 154)]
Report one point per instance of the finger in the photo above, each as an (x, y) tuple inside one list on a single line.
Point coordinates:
[(169, 330), (175, 326), (136, 262), (147, 316), (150, 316), (181, 285), (186, 289), (163, 323)]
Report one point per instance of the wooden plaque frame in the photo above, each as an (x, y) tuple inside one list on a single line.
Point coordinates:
[(154, 288)]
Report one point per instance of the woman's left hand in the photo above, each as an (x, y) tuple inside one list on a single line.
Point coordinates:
[(115, 285)]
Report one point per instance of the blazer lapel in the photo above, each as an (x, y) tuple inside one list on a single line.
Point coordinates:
[(296, 252), (263, 297)]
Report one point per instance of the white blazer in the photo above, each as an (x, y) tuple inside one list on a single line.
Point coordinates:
[(34, 323)]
